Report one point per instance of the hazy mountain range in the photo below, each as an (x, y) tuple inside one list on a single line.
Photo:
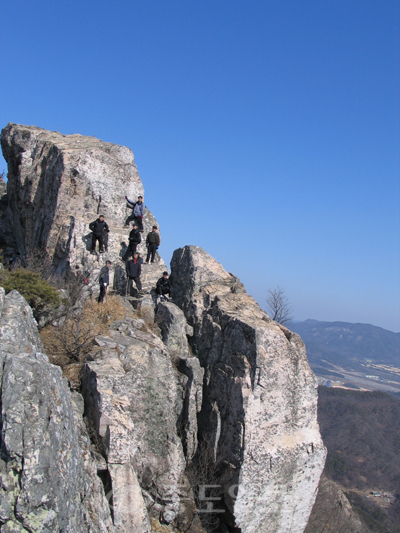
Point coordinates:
[(364, 349)]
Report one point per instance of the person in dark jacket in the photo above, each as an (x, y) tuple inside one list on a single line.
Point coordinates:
[(133, 271), (152, 242), (134, 240), (104, 280), (99, 227), (164, 287), (138, 212)]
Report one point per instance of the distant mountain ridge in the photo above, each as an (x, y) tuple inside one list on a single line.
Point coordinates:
[(346, 344)]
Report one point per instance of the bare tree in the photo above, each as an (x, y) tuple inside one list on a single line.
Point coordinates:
[(278, 305)]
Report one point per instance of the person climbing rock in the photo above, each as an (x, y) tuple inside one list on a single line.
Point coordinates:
[(152, 242), (104, 280), (133, 271), (81, 276), (164, 287), (99, 228), (134, 240), (138, 211)]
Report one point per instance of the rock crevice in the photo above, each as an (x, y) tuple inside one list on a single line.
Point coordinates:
[(259, 399)]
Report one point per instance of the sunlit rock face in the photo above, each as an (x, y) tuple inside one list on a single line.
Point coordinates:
[(208, 371), (48, 477), (58, 184), (259, 401)]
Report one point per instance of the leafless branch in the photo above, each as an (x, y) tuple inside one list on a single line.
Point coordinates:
[(278, 305)]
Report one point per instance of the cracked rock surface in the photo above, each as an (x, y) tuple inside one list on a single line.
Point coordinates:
[(134, 397), (209, 368), (59, 184), (53, 476), (47, 480), (259, 409)]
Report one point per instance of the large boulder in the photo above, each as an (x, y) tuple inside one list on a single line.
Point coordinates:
[(58, 184), (134, 397), (259, 412), (173, 327)]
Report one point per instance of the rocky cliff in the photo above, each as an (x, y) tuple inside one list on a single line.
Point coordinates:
[(204, 403), (48, 477), (259, 400), (58, 184)]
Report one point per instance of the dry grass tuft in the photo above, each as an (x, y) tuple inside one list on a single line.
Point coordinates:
[(69, 344), (107, 312)]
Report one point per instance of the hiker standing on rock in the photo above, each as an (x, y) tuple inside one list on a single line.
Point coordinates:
[(99, 228), (104, 280), (134, 240), (133, 271), (138, 212), (164, 287), (152, 242)]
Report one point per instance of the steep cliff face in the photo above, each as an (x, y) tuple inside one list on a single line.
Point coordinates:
[(259, 399), (58, 184), (210, 371), (48, 478), (121, 468), (134, 396)]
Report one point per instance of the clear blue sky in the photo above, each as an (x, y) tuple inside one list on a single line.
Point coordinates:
[(266, 132)]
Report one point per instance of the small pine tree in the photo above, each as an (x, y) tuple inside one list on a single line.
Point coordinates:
[(36, 291)]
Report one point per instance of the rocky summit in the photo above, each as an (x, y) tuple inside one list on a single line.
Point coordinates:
[(192, 415), (59, 184)]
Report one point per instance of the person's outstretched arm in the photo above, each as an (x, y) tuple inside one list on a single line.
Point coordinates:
[(129, 201)]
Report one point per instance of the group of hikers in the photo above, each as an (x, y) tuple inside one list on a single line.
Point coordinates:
[(133, 263)]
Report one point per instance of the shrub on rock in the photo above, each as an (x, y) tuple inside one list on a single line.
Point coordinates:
[(36, 291)]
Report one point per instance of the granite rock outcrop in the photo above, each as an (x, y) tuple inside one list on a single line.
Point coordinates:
[(259, 409), (209, 372), (133, 396), (59, 184), (48, 480), (106, 459)]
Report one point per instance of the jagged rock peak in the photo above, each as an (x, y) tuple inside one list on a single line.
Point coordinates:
[(58, 184), (79, 166), (259, 410)]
